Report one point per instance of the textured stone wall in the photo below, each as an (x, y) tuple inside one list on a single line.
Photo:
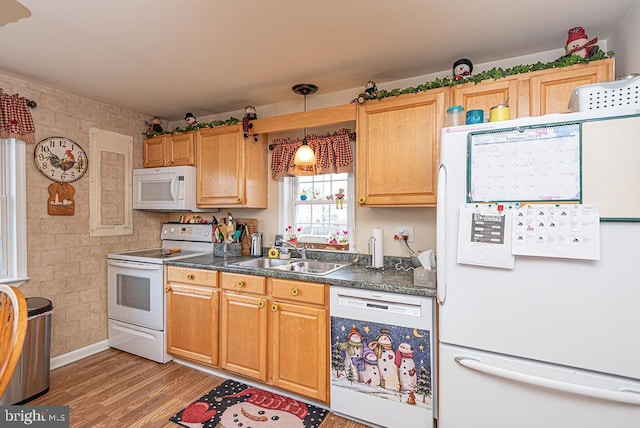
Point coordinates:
[(64, 263)]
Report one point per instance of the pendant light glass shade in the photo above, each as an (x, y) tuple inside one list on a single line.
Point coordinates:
[(305, 155)]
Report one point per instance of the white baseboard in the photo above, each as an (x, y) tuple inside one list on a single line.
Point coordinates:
[(78, 354)]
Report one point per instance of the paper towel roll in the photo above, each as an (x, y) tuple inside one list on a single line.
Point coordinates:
[(377, 247)]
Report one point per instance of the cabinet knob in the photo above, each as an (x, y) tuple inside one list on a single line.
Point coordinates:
[(241, 284), (239, 200), (295, 291), (169, 162), (167, 288), (161, 162), (274, 307), (361, 200), (191, 277), (261, 304)]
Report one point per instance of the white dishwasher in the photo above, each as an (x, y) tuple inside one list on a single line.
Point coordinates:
[(382, 357)]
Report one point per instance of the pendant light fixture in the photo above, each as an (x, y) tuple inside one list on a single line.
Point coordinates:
[(305, 155)]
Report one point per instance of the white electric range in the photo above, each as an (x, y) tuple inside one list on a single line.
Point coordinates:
[(135, 290)]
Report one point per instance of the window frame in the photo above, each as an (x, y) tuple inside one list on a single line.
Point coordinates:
[(287, 195), (13, 211)]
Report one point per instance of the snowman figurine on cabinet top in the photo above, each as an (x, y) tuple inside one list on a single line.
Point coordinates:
[(462, 68), (249, 115), (579, 44), (190, 119)]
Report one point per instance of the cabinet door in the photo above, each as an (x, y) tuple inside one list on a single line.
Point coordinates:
[(550, 91), (232, 170), (192, 322), (181, 149), (243, 326), (220, 167), (154, 151), (485, 95), (397, 149), (300, 349)]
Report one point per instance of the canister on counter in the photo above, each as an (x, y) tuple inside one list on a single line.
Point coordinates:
[(499, 112)]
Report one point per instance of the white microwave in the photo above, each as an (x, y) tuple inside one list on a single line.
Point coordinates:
[(171, 188)]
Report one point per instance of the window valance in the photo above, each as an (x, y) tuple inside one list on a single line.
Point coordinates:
[(333, 154), (15, 118)]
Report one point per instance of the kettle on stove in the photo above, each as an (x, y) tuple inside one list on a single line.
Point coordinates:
[(256, 244)]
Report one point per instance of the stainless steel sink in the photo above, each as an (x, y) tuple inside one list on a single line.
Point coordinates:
[(310, 267), (265, 263)]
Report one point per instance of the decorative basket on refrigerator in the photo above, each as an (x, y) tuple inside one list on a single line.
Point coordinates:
[(613, 95)]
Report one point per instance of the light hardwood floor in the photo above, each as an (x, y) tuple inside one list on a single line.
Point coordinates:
[(116, 389)]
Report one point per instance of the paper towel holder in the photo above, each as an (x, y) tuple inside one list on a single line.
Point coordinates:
[(372, 252)]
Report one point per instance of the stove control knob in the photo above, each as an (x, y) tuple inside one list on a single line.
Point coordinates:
[(206, 234), (165, 231)]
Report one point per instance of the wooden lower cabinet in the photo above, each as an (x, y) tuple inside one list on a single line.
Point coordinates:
[(299, 349), (244, 335), (193, 304), (276, 331)]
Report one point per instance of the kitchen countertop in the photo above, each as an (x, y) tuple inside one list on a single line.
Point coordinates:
[(356, 275)]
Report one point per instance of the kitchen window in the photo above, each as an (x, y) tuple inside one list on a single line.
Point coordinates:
[(13, 212), (318, 210)]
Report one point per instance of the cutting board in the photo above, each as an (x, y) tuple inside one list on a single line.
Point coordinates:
[(252, 225)]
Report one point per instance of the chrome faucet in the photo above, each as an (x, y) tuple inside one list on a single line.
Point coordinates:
[(302, 249)]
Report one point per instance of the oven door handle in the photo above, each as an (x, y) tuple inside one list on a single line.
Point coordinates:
[(125, 264)]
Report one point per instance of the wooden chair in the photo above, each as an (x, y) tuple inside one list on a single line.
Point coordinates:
[(13, 328)]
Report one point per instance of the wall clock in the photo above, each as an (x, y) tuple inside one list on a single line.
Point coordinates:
[(60, 159)]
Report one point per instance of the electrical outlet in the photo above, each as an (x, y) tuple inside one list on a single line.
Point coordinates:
[(405, 230)]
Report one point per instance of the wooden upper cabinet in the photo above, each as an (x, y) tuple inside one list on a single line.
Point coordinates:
[(169, 150), (397, 149), (532, 94), (488, 94), (550, 90), (231, 169)]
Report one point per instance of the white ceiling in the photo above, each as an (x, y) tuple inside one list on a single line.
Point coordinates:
[(167, 57)]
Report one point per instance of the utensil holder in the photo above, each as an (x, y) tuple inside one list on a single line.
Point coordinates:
[(227, 250)]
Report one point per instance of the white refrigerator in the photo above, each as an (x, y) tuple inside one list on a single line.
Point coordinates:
[(552, 341)]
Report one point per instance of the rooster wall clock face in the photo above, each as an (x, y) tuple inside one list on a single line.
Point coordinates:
[(60, 159)]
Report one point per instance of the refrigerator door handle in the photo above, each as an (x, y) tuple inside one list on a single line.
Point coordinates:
[(441, 284), (624, 395)]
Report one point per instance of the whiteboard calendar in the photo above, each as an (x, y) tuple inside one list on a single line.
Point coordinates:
[(530, 164)]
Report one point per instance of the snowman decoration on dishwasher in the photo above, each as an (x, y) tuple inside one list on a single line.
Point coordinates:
[(383, 348), (406, 368)]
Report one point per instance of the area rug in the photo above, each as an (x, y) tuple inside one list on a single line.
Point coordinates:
[(234, 405)]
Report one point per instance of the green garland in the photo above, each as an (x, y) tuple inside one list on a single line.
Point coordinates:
[(495, 73), (180, 129)]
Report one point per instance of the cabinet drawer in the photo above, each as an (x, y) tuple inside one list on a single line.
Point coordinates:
[(298, 291), (192, 276), (244, 283)]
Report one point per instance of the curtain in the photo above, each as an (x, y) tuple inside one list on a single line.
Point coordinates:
[(15, 118), (333, 154)]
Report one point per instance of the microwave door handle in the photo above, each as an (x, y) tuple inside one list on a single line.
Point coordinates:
[(174, 187)]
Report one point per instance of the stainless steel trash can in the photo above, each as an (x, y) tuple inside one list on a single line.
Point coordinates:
[(31, 377)]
